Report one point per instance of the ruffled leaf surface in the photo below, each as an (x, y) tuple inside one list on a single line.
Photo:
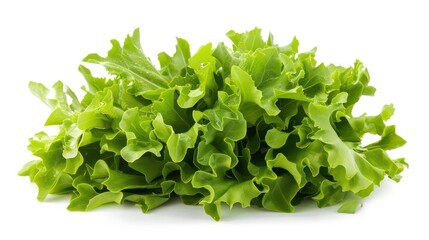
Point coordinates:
[(258, 124)]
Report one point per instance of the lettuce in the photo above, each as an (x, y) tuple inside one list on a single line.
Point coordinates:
[(256, 125)]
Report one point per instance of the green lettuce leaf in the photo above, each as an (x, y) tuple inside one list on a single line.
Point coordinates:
[(132, 64), (255, 124)]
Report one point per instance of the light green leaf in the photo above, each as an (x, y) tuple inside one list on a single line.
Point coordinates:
[(204, 65), (150, 166), (223, 190), (280, 161), (172, 114), (116, 181), (248, 41), (351, 206), (179, 143), (87, 198), (389, 140), (172, 66), (263, 65), (276, 138), (131, 63), (280, 193), (73, 164), (251, 105), (140, 136), (147, 202), (330, 194)]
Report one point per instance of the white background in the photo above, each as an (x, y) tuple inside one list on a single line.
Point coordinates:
[(45, 41)]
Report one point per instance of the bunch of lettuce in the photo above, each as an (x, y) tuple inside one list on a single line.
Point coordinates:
[(259, 124)]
